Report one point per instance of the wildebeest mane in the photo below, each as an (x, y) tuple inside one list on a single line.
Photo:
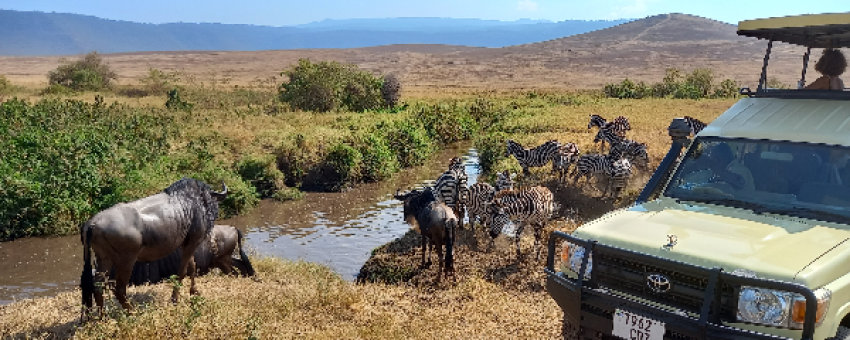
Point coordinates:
[(198, 193)]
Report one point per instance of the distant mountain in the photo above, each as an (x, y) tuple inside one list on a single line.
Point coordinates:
[(39, 33)]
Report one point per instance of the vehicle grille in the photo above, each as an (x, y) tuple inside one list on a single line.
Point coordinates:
[(629, 276)]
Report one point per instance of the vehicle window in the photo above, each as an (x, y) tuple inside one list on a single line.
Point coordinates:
[(765, 176)]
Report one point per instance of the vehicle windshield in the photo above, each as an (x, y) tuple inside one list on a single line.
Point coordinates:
[(798, 179)]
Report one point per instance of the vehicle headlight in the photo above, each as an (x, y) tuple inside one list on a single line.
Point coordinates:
[(572, 254), (777, 308)]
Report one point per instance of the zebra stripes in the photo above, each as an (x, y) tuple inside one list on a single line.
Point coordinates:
[(504, 181), (618, 177), (450, 188), (596, 120), (635, 152), (612, 132), (591, 164), (694, 124), (480, 197), (535, 157), (568, 154), (533, 206)]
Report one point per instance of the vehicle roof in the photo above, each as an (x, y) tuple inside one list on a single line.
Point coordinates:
[(829, 30), (796, 120)]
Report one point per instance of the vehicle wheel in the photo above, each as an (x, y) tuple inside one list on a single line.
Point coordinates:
[(842, 334), (569, 331)]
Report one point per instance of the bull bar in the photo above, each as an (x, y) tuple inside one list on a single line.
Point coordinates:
[(586, 304)]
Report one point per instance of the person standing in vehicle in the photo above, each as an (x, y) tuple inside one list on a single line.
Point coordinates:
[(831, 65)]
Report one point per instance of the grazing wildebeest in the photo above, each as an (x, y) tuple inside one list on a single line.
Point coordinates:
[(214, 252), (436, 222), (145, 230)]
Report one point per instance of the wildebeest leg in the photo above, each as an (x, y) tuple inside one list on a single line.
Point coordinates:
[(192, 272), (224, 263), (184, 264), (123, 270), (519, 229), (439, 244), (104, 264), (424, 249)]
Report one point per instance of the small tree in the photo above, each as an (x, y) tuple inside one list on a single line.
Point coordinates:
[(329, 85), (391, 90), (701, 80), (87, 74)]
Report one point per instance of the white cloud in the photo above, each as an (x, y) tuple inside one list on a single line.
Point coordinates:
[(631, 10), (527, 6)]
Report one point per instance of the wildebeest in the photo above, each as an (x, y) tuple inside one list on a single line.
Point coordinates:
[(145, 230), (436, 222), (214, 252)]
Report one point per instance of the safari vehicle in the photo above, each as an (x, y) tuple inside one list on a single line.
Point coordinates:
[(743, 231)]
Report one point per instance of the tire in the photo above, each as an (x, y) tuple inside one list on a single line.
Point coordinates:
[(843, 333), (569, 331)]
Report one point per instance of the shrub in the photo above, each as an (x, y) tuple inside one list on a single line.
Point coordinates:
[(701, 79), (391, 90), (262, 173), (339, 169), (329, 85), (56, 89), (728, 89), (174, 102), (628, 89), (491, 149), (688, 91), (379, 161), (447, 123), (6, 87), (158, 82), (87, 74), (295, 157), (409, 141), (774, 83)]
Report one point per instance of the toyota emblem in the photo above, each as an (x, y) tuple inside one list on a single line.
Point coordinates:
[(658, 283)]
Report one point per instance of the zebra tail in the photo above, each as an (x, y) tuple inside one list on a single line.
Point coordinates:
[(249, 267), (87, 277)]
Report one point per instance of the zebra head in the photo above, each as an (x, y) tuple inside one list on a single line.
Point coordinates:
[(513, 148), (497, 218), (596, 120)]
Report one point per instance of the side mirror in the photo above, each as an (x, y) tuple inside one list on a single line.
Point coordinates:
[(679, 130)]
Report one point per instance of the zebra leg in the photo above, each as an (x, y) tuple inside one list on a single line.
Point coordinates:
[(538, 230), (518, 236)]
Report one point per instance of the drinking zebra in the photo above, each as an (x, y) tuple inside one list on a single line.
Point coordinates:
[(567, 155), (694, 124), (533, 206), (535, 157), (618, 177), (612, 132), (635, 152)]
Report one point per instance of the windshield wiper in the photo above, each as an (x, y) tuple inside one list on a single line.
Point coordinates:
[(819, 215), (728, 202)]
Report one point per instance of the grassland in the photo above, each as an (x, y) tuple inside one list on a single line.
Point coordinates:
[(495, 295)]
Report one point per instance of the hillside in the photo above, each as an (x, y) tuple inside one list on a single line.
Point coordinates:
[(640, 50), (38, 33)]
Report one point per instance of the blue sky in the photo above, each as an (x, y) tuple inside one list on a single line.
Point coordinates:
[(291, 12)]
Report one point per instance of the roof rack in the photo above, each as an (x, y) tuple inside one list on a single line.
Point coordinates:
[(830, 30)]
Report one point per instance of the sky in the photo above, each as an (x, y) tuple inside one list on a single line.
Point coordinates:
[(293, 12)]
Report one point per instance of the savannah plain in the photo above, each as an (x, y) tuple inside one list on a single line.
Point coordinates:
[(549, 89)]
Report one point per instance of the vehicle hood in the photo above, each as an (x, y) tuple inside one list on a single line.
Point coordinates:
[(773, 246)]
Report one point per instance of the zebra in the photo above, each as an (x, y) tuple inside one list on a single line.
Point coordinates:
[(533, 206), (536, 157), (504, 181), (450, 188), (612, 132), (694, 124), (567, 155), (480, 196), (618, 177), (456, 165), (596, 120), (591, 164), (635, 152)]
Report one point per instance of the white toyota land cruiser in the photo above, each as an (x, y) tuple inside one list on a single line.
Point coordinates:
[(743, 231)]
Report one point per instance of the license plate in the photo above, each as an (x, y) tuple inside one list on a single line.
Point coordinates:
[(631, 326)]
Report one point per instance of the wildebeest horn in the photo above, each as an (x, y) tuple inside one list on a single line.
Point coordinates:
[(220, 195), (398, 196)]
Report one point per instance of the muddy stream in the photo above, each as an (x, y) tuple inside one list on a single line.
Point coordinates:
[(336, 229)]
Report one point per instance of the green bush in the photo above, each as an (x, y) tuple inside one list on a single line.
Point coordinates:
[(295, 157), (628, 89), (687, 91), (698, 84), (158, 82), (330, 85), (409, 141), (391, 90), (447, 122), (491, 149), (174, 102), (87, 74), (339, 169), (728, 89), (262, 173), (379, 161), (6, 87), (701, 79)]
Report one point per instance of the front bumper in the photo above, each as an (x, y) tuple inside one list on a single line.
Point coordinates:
[(589, 305)]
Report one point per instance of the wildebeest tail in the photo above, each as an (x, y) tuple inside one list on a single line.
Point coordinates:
[(451, 227), (87, 277), (249, 267)]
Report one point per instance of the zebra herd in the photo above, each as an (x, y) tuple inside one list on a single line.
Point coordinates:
[(494, 206)]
